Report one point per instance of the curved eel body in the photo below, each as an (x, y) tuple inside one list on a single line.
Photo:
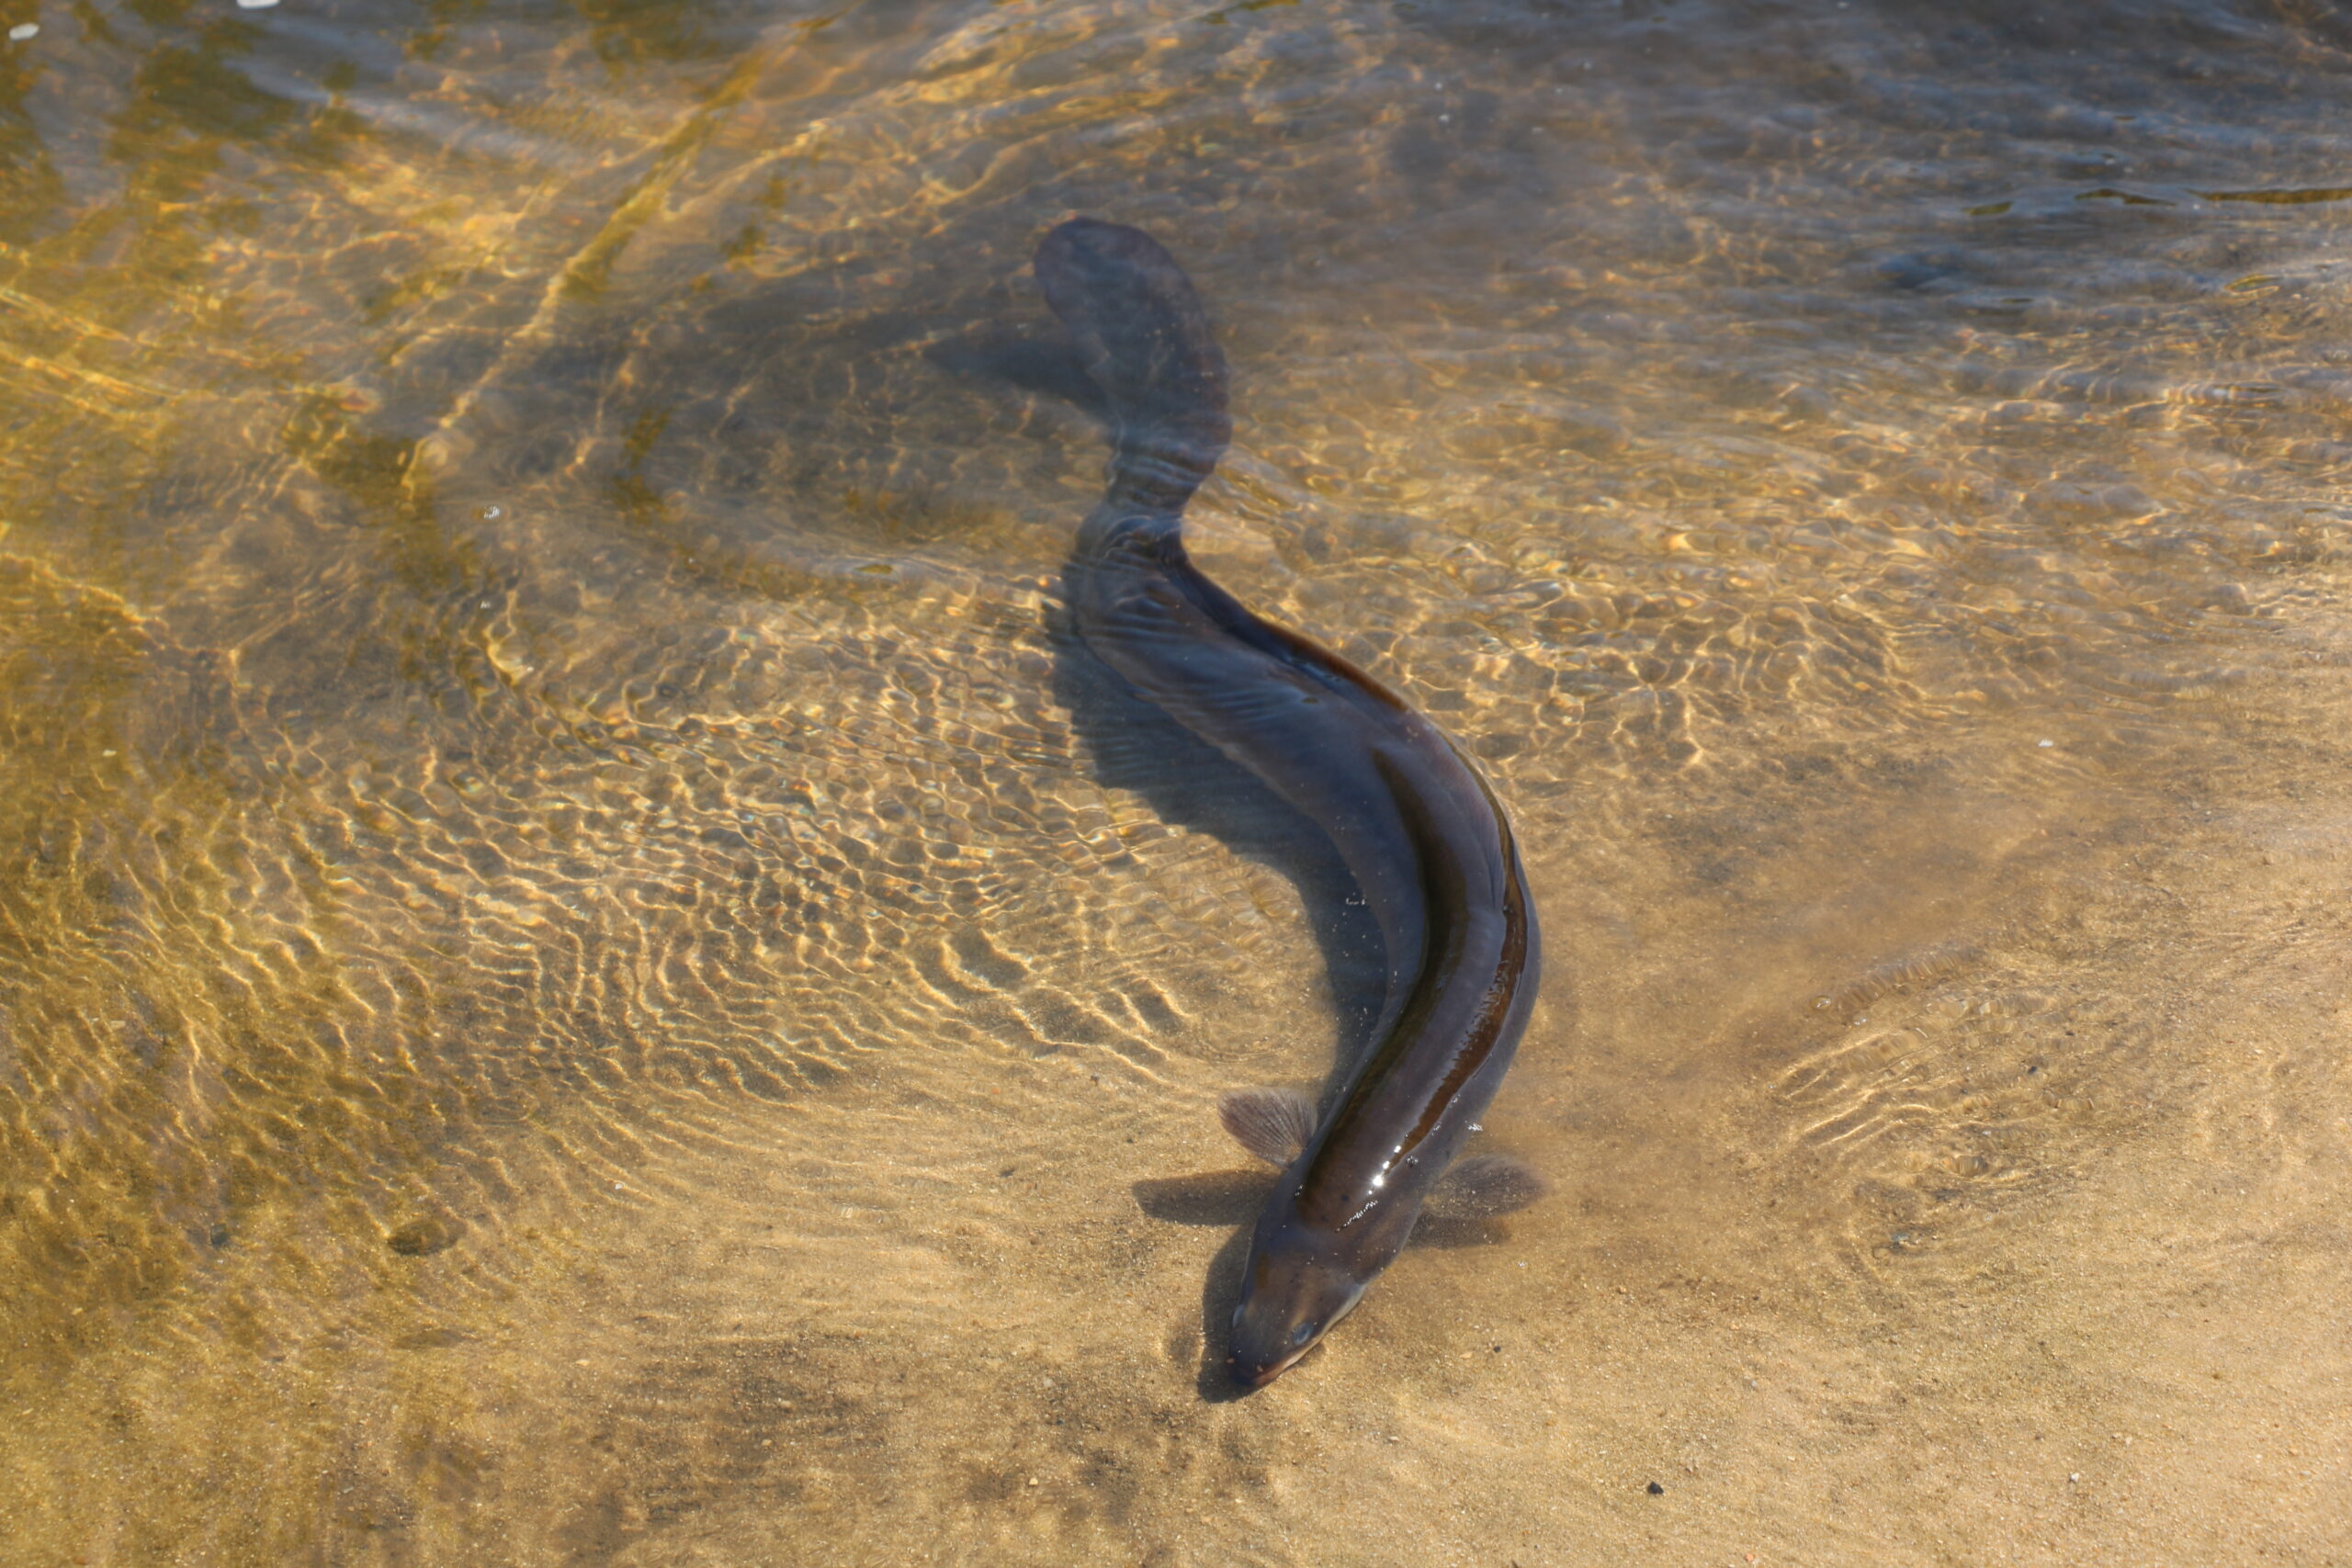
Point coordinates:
[(1414, 822)]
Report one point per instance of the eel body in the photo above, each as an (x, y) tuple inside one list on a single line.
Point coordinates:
[(1414, 822)]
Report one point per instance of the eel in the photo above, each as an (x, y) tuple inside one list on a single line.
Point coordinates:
[(1414, 822)]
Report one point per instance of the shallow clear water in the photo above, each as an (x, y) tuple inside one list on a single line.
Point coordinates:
[(584, 978)]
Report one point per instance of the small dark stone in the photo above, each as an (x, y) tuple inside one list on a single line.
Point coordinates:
[(422, 1238), (220, 1236), (1922, 269), (1656, 1490)]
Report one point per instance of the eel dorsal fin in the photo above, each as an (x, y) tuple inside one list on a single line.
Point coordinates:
[(1272, 1124)]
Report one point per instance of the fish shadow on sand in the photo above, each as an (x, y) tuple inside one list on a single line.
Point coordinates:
[(1190, 784), (1049, 367), (1135, 747)]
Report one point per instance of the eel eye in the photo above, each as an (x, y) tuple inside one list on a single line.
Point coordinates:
[(1302, 1334)]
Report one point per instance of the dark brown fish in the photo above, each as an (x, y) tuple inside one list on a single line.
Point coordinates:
[(1414, 822)]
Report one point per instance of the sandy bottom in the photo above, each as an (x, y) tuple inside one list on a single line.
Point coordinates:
[(1972, 1191)]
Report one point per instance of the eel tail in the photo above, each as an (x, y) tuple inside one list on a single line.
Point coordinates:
[(1146, 342)]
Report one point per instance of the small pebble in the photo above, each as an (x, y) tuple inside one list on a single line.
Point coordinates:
[(23, 31), (255, 4), (2045, 743), (1656, 1490), (422, 1238)]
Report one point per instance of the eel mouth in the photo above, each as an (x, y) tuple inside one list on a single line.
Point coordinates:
[(1254, 1378), (1253, 1375)]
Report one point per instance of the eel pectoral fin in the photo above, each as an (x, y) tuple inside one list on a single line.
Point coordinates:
[(1272, 1124), (1483, 1186)]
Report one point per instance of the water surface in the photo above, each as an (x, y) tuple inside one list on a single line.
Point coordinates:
[(584, 978)]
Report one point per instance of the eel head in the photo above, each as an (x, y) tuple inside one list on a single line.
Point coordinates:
[(1293, 1296)]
